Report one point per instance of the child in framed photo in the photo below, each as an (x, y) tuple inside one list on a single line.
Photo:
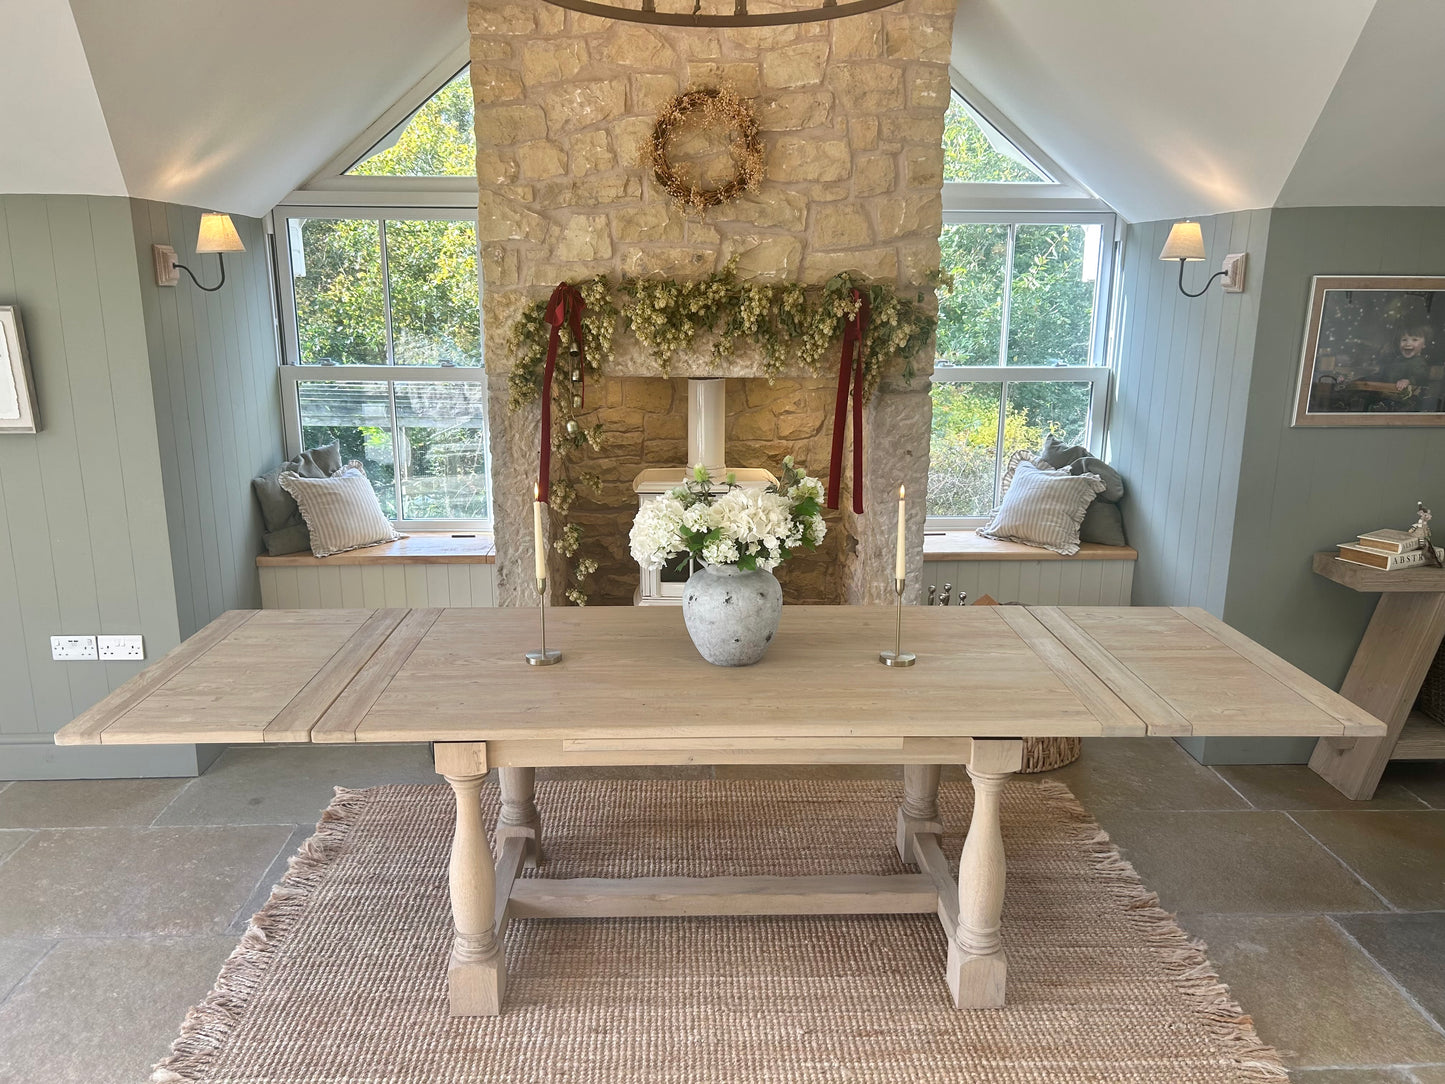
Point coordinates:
[(1372, 352)]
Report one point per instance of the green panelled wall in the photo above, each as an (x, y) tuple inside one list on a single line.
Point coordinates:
[(128, 512), (217, 407), (1177, 419)]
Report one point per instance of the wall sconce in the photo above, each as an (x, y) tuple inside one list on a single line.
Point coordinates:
[(217, 234), (1186, 244)]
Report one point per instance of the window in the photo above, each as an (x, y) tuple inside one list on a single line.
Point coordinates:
[(976, 152), (438, 140), (1020, 349), (382, 328)]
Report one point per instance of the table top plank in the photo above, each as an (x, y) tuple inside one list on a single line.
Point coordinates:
[(90, 725), (338, 723)]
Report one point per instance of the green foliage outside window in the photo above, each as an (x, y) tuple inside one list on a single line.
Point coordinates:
[(968, 155), (439, 140)]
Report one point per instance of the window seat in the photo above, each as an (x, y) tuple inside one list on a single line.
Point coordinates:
[(418, 548), (1010, 572), (968, 546), (429, 568)]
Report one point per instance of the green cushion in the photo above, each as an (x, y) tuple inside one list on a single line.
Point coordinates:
[(293, 539), (278, 509), (1103, 524), (1078, 460)]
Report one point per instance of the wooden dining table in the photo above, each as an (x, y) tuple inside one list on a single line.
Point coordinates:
[(631, 690)]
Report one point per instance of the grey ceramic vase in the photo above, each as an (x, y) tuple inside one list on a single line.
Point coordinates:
[(732, 615)]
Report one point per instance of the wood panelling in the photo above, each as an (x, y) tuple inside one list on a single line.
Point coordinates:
[(1037, 583), (1176, 426), (213, 363), (376, 586), (83, 546)]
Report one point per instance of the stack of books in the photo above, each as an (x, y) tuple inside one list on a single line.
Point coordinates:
[(1387, 550)]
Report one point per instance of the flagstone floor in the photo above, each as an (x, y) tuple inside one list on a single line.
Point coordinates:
[(120, 899)]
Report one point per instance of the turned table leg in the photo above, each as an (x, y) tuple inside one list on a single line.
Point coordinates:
[(977, 966), (919, 811), (476, 973), (519, 816)]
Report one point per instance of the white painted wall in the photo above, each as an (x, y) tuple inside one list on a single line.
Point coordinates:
[(53, 137)]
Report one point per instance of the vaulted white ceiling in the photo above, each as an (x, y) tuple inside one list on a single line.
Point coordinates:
[(1162, 109)]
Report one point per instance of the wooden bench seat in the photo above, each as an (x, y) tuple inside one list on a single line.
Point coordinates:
[(1011, 572), (427, 568)]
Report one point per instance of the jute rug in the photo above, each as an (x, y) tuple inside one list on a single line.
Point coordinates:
[(342, 976)]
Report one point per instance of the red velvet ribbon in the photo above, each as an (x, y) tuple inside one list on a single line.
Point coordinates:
[(563, 307), (850, 371)]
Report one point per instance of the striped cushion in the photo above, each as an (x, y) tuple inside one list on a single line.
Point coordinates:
[(1044, 508), (341, 512)]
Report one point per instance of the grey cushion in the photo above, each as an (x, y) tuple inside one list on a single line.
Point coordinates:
[(1078, 460), (1103, 524), (1044, 508), (278, 508)]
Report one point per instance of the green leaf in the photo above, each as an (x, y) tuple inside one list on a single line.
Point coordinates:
[(747, 562)]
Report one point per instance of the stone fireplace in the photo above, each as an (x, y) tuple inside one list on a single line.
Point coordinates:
[(852, 118)]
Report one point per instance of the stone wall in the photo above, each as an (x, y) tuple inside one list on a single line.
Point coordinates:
[(852, 117)]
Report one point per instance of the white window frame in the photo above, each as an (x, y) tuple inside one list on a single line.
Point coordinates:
[(292, 372), (1097, 374)]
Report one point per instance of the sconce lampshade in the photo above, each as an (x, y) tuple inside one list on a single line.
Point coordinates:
[(218, 234), (1186, 242)]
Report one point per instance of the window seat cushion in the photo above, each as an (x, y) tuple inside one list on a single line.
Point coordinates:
[(967, 546), (419, 548)]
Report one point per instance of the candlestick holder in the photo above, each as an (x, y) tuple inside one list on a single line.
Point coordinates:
[(898, 657), (543, 657)]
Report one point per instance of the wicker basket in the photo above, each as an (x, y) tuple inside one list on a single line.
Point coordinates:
[(1432, 693), (1046, 754)]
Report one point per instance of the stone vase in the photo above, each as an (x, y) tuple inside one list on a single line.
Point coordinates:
[(732, 615)]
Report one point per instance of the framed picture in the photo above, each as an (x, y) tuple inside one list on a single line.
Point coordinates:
[(1374, 352), (17, 394)]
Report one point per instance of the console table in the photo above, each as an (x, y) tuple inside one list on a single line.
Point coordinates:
[(632, 690), (1385, 677)]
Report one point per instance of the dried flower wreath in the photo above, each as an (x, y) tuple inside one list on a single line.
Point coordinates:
[(706, 107)]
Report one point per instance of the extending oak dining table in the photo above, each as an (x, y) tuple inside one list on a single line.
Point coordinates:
[(631, 690)]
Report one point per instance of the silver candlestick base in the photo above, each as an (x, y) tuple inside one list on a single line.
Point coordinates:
[(543, 657), (898, 657)]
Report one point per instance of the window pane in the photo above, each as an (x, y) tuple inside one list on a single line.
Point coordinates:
[(435, 305), (1051, 307), (974, 150), (438, 140), (970, 316), (340, 312), (962, 449), (1037, 407), (358, 414), (444, 468)]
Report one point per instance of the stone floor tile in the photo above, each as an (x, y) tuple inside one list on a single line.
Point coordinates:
[(268, 880), (17, 956), (252, 785), (133, 881), (1143, 773), (10, 841), (1409, 947), (1295, 786), (85, 803), (1313, 994), (1250, 862), (1423, 778), (1350, 1076), (1427, 1074), (103, 1011), (1401, 854)]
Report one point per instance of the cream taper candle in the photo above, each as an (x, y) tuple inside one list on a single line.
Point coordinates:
[(901, 565), (538, 548)]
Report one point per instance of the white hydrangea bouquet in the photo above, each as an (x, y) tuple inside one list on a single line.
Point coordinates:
[(750, 528)]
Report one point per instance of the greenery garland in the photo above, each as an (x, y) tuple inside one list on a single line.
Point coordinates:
[(787, 322)]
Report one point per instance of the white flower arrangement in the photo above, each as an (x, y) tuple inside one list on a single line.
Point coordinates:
[(750, 528)]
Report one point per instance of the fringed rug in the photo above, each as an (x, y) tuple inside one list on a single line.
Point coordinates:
[(342, 976)]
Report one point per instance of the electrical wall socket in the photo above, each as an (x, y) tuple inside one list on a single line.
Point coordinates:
[(72, 648), (123, 648)]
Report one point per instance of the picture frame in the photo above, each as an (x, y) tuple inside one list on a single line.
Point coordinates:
[(18, 413), (1374, 352)]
